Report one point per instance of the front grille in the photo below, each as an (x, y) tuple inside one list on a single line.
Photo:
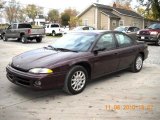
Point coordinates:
[(17, 68), (19, 80), (144, 33)]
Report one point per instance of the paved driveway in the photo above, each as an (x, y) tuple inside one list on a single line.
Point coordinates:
[(120, 96)]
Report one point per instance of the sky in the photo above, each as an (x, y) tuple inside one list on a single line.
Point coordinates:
[(60, 5)]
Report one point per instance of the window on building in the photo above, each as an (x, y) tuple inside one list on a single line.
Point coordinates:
[(85, 22), (121, 23), (114, 23)]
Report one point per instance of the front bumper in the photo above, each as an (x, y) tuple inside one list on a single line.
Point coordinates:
[(27, 79), (147, 38)]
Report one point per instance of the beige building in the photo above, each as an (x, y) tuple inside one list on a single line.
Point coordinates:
[(108, 18)]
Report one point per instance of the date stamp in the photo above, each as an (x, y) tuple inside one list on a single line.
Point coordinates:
[(144, 107)]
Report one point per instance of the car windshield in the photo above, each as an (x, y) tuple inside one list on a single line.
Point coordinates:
[(78, 28), (154, 26), (79, 42), (122, 29)]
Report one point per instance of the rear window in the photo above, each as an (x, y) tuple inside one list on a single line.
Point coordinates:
[(54, 25), (24, 26)]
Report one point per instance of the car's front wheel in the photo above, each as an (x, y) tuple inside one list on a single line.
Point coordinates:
[(76, 80), (158, 42), (137, 64), (39, 39)]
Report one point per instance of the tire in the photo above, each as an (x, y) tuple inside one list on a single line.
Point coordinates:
[(39, 39), (2, 36), (53, 33), (76, 80), (158, 42), (137, 64), (23, 39), (5, 38)]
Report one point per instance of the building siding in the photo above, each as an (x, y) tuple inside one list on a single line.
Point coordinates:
[(129, 20), (90, 16), (104, 22)]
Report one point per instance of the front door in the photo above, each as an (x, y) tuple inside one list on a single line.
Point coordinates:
[(105, 60)]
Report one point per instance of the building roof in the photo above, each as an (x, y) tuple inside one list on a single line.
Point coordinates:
[(104, 8), (110, 14), (127, 12)]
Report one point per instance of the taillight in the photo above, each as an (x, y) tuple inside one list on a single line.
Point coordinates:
[(29, 31)]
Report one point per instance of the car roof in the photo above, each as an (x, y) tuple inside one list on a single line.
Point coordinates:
[(95, 31)]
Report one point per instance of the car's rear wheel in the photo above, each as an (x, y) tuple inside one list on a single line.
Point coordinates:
[(5, 38), (23, 39), (39, 39), (76, 80), (137, 64), (158, 42), (53, 33)]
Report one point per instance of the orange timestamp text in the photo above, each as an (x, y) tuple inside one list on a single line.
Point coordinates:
[(147, 107)]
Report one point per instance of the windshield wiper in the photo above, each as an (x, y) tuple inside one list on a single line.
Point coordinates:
[(50, 46), (64, 49)]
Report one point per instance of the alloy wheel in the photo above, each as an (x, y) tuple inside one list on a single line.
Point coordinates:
[(78, 80)]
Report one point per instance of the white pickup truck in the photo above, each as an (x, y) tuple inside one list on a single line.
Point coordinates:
[(55, 29)]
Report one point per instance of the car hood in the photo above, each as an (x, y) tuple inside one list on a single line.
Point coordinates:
[(41, 58)]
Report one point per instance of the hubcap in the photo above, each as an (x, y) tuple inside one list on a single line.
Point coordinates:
[(139, 63), (78, 80), (158, 41), (22, 39)]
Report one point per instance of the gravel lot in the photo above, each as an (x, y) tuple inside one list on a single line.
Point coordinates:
[(120, 96)]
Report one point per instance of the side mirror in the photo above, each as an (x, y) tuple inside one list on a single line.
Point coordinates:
[(96, 50)]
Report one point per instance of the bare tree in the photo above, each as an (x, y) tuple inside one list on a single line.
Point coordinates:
[(32, 11), (11, 11)]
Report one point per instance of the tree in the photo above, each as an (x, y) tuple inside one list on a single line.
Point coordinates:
[(151, 6), (53, 15), (2, 3), (124, 4), (11, 11), (145, 14), (32, 11), (69, 17), (65, 19)]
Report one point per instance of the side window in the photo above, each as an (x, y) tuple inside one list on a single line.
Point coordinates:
[(86, 28), (106, 42), (131, 29), (14, 26), (136, 29), (123, 40), (90, 28)]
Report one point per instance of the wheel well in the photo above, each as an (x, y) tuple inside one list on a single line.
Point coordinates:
[(21, 34), (142, 55), (86, 66)]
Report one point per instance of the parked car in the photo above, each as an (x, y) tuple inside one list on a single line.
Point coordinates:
[(75, 59), (2, 31), (130, 30), (150, 34), (55, 29), (127, 29), (23, 32), (78, 28)]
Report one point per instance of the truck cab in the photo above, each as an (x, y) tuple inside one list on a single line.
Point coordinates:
[(150, 34)]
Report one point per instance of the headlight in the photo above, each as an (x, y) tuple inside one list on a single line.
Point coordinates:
[(40, 70), (137, 32), (153, 33)]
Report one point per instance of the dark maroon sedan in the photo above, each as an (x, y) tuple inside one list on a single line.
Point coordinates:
[(75, 59)]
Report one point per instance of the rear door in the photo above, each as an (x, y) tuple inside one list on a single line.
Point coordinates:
[(106, 60), (127, 50)]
